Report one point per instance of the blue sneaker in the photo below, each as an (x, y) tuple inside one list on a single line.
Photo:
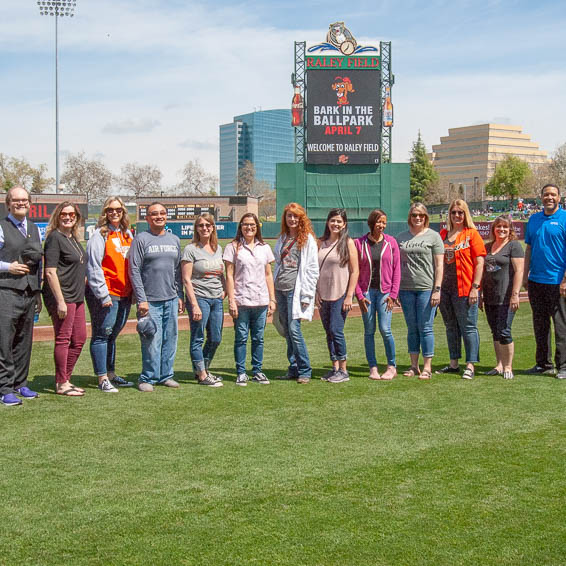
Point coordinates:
[(10, 399), (27, 393)]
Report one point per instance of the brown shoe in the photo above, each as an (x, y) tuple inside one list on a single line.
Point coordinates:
[(303, 380)]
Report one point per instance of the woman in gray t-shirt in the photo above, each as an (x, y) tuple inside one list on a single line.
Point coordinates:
[(203, 278), (422, 255), (501, 283)]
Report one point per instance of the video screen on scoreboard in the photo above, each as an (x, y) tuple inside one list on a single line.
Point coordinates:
[(343, 116)]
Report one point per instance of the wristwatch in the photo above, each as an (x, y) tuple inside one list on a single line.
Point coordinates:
[(437, 289), (475, 286)]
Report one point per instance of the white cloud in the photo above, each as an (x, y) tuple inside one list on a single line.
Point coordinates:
[(131, 126), (150, 81), (199, 145)]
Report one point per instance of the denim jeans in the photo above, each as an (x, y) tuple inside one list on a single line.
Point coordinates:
[(500, 318), (333, 318), (158, 352), (378, 307), (419, 316), (297, 354), (106, 324), (251, 320), (212, 321), (461, 321)]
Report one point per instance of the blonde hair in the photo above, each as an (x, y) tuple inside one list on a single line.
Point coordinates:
[(468, 222), (420, 207), (103, 218), (213, 235)]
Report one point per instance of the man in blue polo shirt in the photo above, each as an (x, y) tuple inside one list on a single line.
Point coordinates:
[(545, 280)]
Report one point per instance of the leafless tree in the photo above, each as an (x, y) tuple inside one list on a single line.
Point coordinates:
[(557, 166), (140, 180), (89, 177), (196, 181), (246, 178)]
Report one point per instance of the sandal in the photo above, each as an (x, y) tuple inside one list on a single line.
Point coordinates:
[(71, 392), (411, 372), (508, 375), (425, 374), (493, 371)]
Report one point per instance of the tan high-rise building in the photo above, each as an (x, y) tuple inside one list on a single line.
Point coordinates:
[(467, 156)]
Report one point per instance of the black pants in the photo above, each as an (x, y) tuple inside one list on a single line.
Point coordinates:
[(16, 336), (546, 304)]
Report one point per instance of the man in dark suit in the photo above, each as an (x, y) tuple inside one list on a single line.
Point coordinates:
[(20, 273)]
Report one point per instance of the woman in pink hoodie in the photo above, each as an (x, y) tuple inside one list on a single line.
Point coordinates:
[(377, 290)]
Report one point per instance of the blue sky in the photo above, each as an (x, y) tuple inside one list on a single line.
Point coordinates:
[(150, 81)]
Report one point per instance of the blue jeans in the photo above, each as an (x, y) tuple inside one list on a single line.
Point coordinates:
[(500, 318), (106, 324), (212, 321), (297, 354), (378, 307), (251, 320), (461, 321), (158, 352), (419, 316), (333, 319)]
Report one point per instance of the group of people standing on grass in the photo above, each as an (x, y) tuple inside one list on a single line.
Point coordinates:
[(421, 270)]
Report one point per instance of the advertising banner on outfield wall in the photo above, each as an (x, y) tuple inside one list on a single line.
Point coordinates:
[(484, 227)]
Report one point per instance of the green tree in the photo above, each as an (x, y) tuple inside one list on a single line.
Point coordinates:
[(510, 177), (423, 174), (18, 171)]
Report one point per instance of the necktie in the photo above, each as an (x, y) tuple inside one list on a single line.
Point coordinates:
[(22, 229)]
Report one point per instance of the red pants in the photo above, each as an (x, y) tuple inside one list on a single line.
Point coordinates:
[(70, 336)]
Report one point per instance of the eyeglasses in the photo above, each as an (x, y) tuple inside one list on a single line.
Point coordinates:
[(20, 200), (114, 211), (70, 215), (249, 225), (205, 226), (457, 213), (158, 213), (417, 215)]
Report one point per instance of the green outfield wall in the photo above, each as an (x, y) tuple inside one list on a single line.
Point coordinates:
[(357, 188)]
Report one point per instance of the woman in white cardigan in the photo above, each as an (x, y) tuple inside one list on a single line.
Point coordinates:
[(296, 275)]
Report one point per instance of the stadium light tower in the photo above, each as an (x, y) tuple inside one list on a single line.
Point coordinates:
[(59, 9)]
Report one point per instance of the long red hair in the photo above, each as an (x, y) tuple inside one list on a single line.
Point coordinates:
[(305, 226)]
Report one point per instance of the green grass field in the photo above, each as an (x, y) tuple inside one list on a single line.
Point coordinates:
[(446, 472)]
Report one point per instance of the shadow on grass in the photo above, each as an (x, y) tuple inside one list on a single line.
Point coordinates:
[(46, 383)]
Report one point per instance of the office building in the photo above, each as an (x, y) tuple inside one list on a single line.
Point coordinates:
[(264, 138), (468, 156)]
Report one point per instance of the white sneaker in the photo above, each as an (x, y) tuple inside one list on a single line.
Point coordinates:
[(107, 387), (260, 378), (242, 380)]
